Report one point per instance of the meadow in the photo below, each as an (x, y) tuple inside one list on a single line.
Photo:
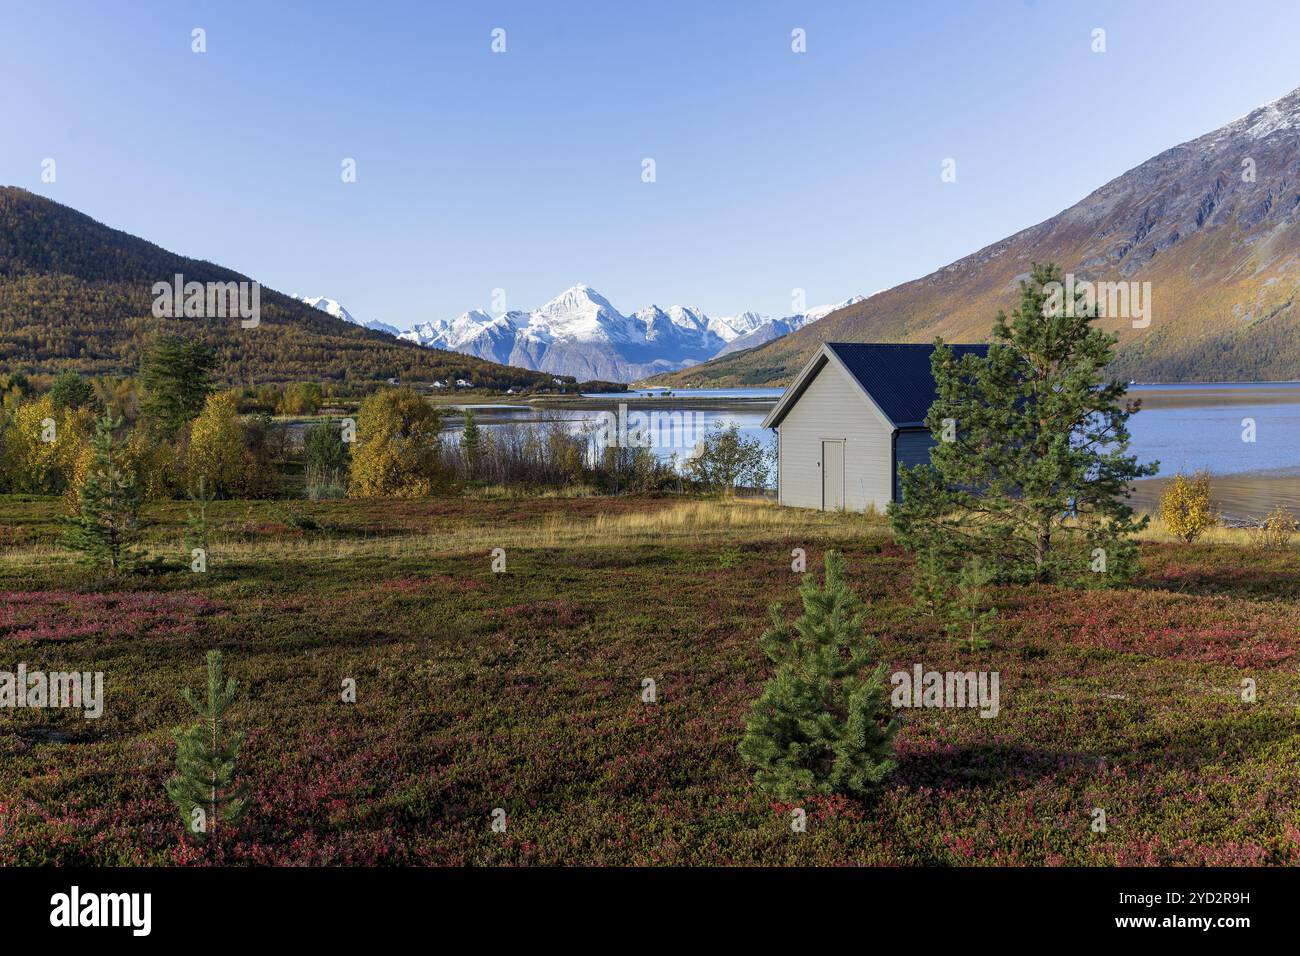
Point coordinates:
[(522, 690)]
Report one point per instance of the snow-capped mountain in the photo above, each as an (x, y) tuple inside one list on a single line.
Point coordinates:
[(333, 307), (580, 333)]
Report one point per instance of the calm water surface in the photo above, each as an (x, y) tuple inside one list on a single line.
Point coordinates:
[(1182, 426)]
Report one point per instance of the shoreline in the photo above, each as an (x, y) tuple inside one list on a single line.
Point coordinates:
[(1241, 497)]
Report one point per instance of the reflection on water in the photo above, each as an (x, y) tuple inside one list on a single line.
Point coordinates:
[(1182, 426), (676, 427)]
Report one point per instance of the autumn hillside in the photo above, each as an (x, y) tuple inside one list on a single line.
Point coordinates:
[(77, 294), (1213, 225)]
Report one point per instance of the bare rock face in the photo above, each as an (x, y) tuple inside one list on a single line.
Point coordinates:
[(1212, 225)]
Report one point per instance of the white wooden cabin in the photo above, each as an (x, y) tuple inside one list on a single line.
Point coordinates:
[(853, 413)]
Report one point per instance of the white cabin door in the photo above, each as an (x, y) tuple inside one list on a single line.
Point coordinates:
[(832, 476)]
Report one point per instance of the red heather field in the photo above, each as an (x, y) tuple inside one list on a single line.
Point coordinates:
[(522, 691)]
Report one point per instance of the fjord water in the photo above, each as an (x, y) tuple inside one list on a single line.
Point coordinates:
[(1186, 427), (1183, 426)]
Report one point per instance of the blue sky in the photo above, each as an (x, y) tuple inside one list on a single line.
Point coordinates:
[(522, 170)]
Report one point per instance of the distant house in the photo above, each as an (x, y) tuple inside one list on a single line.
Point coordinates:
[(853, 413), (439, 384), (462, 383), (393, 381)]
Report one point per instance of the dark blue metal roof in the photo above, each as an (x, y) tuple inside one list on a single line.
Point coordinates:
[(897, 377)]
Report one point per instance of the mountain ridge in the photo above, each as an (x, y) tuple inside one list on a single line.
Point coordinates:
[(1213, 224)]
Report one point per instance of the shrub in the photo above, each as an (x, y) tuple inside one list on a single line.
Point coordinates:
[(1185, 506), (1275, 531), (327, 486), (216, 447), (630, 468), (300, 398), (471, 444), (264, 444), (41, 445), (323, 447), (326, 458), (233, 456), (156, 465), (72, 391), (398, 447), (725, 460), (824, 724)]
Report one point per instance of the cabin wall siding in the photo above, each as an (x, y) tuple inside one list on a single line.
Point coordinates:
[(912, 448), (831, 409)]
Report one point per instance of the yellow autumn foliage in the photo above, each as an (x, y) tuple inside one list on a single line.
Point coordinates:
[(42, 445), (1275, 531), (1185, 506), (216, 447), (397, 451)]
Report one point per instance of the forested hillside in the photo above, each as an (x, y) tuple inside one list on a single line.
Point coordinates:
[(76, 294)]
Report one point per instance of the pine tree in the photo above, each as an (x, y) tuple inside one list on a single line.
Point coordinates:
[(196, 526), (177, 379), (470, 444), (823, 724), (970, 619), (1030, 469), (108, 503), (204, 789), (72, 391)]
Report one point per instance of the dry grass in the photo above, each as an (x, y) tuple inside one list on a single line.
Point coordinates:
[(1219, 534), (746, 518), (518, 492), (697, 520), (654, 521)]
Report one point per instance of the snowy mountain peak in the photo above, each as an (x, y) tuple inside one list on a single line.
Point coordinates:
[(334, 308), (330, 306), (730, 327), (580, 333), (579, 300), (821, 311)]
